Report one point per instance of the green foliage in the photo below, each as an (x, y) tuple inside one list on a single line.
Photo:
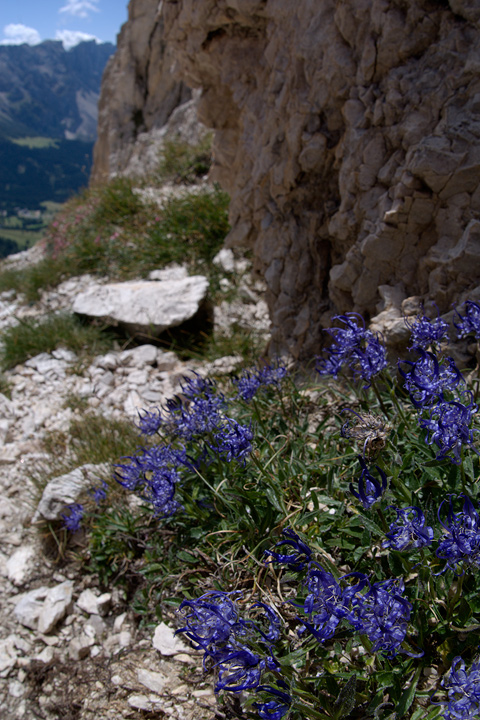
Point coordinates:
[(30, 337), (90, 438), (110, 231), (183, 162), (299, 476)]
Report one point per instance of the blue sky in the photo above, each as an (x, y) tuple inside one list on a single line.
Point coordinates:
[(71, 21)]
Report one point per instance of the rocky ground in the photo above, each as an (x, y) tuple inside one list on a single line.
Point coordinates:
[(67, 649)]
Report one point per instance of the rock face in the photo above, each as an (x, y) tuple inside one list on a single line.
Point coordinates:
[(347, 133), (139, 92)]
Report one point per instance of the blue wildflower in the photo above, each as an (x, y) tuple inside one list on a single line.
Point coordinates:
[(210, 621), (240, 668), (153, 474), (324, 604), (353, 346), (382, 614), (199, 387), (448, 426), (275, 708), (252, 380), (233, 441), (214, 625), (469, 323), (426, 332), (73, 521), (409, 530), (463, 691), (427, 380), (299, 555), (150, 422), (99, 493), (369, 488), (460, 545)]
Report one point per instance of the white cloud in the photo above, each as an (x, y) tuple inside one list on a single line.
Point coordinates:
[(70, 38), (19, 34), (79, 8)]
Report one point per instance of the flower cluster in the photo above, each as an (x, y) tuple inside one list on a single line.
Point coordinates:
[(233, 441), (426, 332), (369, 488), (241, 649), (355, 347), (275, 708), (469, 323), (427, 380), (152, 474), (251, 381), (460, 545), (448, 426), (463, 691), (408, 530), (376, 610), (448, 413), (73, 520)]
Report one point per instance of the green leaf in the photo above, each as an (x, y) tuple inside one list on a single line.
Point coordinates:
[(408, 695), (345, 701)]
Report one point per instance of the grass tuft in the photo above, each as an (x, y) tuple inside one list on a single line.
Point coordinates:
[(183, 162), (32, 337)]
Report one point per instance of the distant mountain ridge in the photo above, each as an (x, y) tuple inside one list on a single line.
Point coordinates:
[(47, 91)]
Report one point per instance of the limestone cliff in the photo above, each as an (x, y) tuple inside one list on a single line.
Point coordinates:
[(139, 94), (348, 135)]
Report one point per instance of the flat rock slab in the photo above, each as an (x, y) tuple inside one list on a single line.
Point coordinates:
[(146, 306), (66, 489)]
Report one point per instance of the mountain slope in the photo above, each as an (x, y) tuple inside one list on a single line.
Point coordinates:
[(48, 91)]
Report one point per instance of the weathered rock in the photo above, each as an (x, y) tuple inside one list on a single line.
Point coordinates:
[(347, 135), (166, 642), (66, 489), (154, 681), (123, 117), (28, 608), (8, 656), (20, 563), (55, 606), (93, 604), (144, 308)]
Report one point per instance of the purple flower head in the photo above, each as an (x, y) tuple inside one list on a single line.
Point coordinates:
[(275, 708), (355, 347), (427, 379), (463, 691), (369, 488), (210, 620), (240, 668), (99, 493), (299, 555), (425, 332), (233, 441), (73, 521), (382, 614), (153, 474), (469, 323), (247, 385), (197, 412), (324, 604), (250, 381), (461, 543), (369, 360), (150, 422), (448, 426), (409, 530)]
